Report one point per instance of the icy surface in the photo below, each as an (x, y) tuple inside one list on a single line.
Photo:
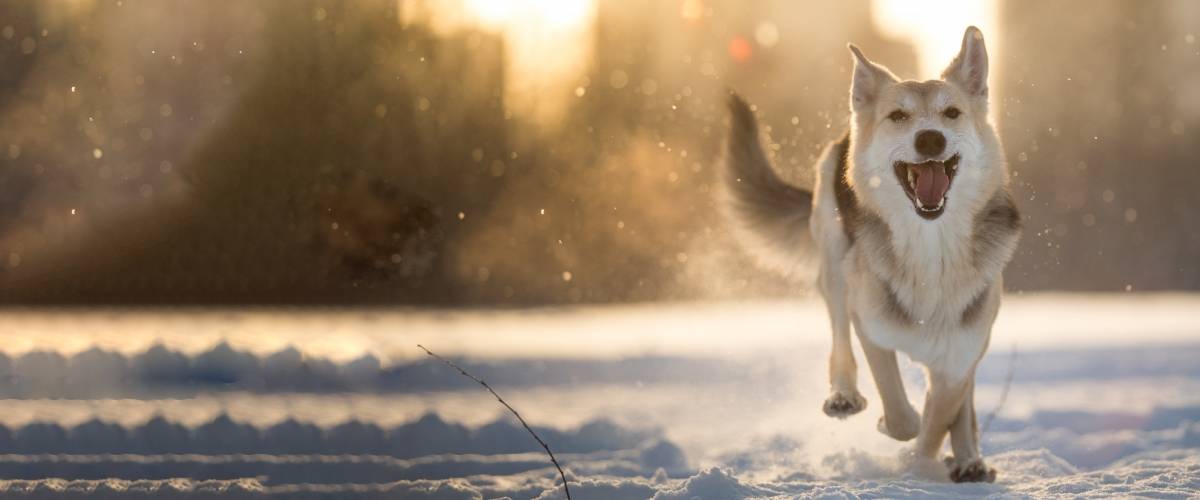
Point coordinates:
[(249, 409)]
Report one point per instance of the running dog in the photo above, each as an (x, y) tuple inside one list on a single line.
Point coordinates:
[(912, 222)]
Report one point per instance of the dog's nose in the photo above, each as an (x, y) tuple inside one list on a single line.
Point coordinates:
[(930, 143)]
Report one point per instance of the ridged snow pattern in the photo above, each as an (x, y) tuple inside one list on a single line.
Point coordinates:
[(307, 469), (187, 489), (159, 371), (428, 435), (227, 459)]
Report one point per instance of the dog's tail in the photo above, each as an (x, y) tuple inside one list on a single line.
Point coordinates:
[(769, 215)]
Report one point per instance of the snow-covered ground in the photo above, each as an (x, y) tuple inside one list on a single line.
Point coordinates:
[(709, 401)]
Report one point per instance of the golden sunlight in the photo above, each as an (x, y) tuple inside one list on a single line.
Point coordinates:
[(548, 48), (935, 28), (548, 13)]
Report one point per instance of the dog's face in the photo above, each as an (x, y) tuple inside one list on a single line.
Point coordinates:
[(925, 147)]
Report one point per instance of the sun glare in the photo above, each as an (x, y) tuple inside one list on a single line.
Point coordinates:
[(554, 14), (548, 44), (489, 12), (935, 28)]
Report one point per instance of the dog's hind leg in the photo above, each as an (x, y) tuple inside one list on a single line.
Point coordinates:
[(967, 464), (899, 420), (844, 399)]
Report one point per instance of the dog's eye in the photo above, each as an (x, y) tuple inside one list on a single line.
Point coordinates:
[(898, 116), (952, 112)]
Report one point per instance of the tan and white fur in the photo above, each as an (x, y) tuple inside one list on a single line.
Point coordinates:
[(912, 222)]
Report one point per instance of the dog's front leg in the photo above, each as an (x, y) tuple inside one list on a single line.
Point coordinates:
[(967, 464), (844, 399), (943, 401), (899, 420)]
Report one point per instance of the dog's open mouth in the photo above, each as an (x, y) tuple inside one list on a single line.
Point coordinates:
[(927, 183)]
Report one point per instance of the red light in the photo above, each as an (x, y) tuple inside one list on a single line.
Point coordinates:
[(740, 49)]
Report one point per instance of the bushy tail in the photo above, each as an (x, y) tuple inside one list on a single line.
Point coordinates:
[(769, 216)]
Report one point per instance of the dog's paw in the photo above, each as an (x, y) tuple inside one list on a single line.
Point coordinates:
[(903, 428), (970, 471), (842, 404)]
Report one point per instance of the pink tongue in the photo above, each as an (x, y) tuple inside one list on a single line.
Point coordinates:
[(932, 184)]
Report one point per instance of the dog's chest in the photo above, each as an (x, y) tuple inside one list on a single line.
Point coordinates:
[(933, 275), (914, 293), (928, 275)]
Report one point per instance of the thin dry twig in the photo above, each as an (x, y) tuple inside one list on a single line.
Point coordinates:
[(1012, 368), (485, 385)]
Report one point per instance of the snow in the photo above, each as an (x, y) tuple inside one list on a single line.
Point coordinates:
[(709, 401)]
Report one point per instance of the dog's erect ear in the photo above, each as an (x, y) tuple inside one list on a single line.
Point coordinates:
[(969, 69), (868, 79)]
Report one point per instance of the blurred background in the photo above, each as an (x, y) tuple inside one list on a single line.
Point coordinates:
[(525, 152)]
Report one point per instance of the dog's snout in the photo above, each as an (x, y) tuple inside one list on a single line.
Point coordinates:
[(930, 143)]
